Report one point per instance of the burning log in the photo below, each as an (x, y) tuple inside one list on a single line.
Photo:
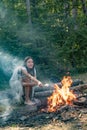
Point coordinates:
[(62, 108), (61, 96), (57, 96), (46, 91), (80, 100)]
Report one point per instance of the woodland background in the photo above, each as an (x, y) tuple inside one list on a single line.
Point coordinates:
[(53, 32)]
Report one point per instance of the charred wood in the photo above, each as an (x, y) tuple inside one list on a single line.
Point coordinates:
[(82, 101), (79, 87)]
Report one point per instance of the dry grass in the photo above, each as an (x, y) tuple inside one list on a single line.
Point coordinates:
[(53, 126), (56, 126)]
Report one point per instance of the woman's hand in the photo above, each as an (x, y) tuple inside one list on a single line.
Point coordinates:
[(40, 84)]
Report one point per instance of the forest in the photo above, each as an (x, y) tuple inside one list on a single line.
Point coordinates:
[(53, 32)]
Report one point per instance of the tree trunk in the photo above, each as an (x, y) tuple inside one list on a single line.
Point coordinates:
[(35, 12), (74, 12), (66, 9), (84, 7), (28, 11)]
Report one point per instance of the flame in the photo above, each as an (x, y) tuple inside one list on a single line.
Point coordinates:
[(61, 96)]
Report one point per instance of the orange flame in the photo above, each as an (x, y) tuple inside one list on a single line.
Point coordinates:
[(61, 96)]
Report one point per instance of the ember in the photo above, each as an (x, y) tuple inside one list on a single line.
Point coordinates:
[(61, 96)]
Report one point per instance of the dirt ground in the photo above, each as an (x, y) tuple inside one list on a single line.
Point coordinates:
[(55, 125), (69, 120)]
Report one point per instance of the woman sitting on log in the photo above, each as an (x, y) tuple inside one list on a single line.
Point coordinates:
[(24, 80), (29, 80)]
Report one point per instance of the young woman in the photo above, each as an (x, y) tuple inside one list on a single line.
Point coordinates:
[(29, 79)]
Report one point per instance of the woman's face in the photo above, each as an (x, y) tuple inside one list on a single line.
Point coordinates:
[(30, 63)]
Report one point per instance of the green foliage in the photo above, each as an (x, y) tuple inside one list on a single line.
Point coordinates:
[(56, 40)]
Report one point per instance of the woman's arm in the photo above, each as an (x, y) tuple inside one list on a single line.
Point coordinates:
[(31, 77)]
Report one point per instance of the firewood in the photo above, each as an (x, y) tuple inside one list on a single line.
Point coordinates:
[(81, 101), (79, 87), (62, 108), (44, 88), (77, 82), (43, 93), (82, 95), (76, 86)]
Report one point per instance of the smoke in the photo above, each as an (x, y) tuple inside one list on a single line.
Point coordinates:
[(5, 106), (30, 34), (3, 11), (8, 64)]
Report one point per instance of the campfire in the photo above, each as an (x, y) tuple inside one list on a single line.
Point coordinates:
[(61, 96), (56, 103)]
